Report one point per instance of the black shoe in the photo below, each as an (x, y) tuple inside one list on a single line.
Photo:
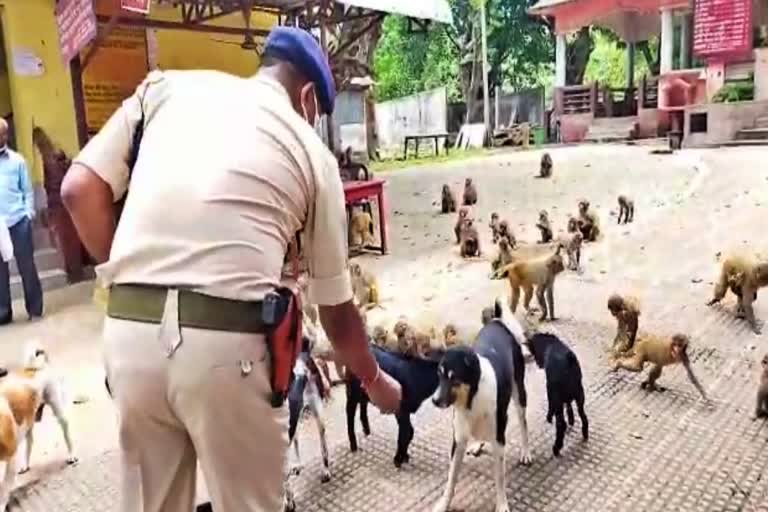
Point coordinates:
[(6, 319)]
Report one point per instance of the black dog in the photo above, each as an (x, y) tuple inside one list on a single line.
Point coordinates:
[(563, 383), (418, 379), (480, 383)]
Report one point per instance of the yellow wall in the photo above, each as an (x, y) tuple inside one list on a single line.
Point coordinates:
[(5, 86), (45, 100)]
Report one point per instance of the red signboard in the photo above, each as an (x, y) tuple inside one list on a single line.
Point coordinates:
[(76, 21), (722, 29), (141, 6)]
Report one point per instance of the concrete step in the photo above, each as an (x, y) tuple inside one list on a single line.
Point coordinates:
[(736, 143), (761, 122), (45, 259), (611, 129), (752, 134), (50, 280)]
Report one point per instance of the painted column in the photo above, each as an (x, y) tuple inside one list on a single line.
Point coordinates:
[(630, 65), (667, 40), (686, 24), (560, 60)]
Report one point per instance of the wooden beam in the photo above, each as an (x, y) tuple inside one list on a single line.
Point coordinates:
[(174, 25), (360, 33)]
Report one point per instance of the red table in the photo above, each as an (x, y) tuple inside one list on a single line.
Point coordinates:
[(355, 191)]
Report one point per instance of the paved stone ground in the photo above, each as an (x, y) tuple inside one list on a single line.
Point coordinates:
[(664, 451)]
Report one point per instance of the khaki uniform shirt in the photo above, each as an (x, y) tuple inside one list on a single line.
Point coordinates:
[(226, 175)]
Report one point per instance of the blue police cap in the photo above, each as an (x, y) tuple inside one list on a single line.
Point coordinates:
[(298, 47)]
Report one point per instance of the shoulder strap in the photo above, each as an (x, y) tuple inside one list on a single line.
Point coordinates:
[(138, 134)]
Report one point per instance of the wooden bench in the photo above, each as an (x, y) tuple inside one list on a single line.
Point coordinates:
[(356, 191), (418, 138)]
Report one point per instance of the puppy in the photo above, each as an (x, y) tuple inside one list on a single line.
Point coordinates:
[(563, 383), (308, 391), (418, 379), (23, 395), (479, 383)]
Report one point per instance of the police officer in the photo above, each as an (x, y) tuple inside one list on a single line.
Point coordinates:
[(229, 170)]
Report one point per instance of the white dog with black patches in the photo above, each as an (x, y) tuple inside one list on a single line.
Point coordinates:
[(479, 383), (23, 395)]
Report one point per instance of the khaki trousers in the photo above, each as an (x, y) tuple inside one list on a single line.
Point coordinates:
[(185, 395)]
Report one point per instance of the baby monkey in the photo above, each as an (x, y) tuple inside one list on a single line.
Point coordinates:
[(761, 407), (545, 227), (470, 193), (545, 169), (626, 209), (494, 225), (626, 311), (460, 220), (448, 202), (469, 240), (572, 245)]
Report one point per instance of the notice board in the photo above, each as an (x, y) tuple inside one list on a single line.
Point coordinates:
[(722, 29)]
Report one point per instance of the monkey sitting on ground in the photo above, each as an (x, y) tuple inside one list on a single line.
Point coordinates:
[(744, 277), (460, 220), (545, 227), (589, 223), (761, 405), (545, 169), (572, 245), (541, 273), (660, 352), (365, 287), (506, 232), (573, 224), (626, 209), (470, 193), (626, 311), (494, 225), (448, 202), (470, 240), (361, 228), (504, 257)]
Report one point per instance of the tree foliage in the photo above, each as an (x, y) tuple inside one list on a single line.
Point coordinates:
[(520, 51)]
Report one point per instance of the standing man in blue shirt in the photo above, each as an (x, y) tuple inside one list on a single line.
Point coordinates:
[(17, 209)]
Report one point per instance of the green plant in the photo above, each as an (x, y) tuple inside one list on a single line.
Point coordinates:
[(735, 91)]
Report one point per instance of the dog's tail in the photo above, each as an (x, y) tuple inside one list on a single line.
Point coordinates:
[(35, 356), (503, 313)]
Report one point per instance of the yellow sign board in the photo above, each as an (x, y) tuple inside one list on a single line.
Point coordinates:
[(114, 72)]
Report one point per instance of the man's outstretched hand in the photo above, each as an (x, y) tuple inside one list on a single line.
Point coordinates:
[(385, 393)]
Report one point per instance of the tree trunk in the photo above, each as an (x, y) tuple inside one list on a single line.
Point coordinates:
[(472, 73), (654, 63), (356, 61), (578, 52)]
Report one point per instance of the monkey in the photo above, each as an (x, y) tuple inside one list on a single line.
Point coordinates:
[(761, 405), (589, 223), (451, 335), (626, 311), (351, 170), (539, 272), (487, 315), (494, 225), (545, 169), (448, 201), (365, 287), (626, 209), (572, 245), (573, 224), (504, 257), (660, 352), (545, 227), (470, 193), (470, 240), (744, 277), (361, 228), (411, 342), (506, 232), (383, 338), (460, 220)]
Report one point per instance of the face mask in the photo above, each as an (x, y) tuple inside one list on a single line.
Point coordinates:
[(315, 123)]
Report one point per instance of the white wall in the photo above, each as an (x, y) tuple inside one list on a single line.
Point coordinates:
[(420, 114)]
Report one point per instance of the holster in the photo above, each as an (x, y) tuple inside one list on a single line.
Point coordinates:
[(284, 336)]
